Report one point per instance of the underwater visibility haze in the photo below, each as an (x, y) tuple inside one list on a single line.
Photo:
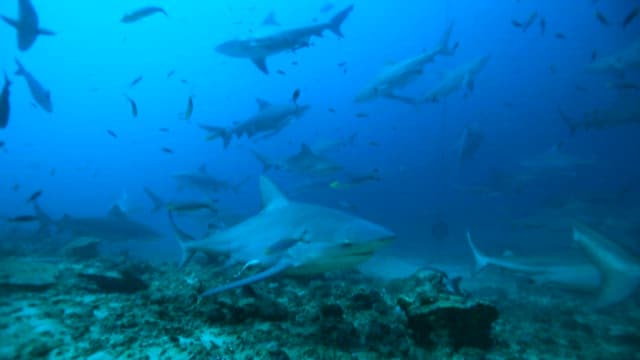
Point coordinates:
[(319, 179)]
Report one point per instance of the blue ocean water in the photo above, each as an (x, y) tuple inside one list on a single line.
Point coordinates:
[(528, 176)]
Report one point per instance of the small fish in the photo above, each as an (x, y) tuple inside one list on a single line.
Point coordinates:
[(560, 36), (543, 26), (2, 143), (516, 24), (4, 103), (184, 81), (295, 96), (34, 196), (281, 72), (142, 13), (135, 81), (294, 63), (285, 244), (373, 143), (362, 115), (112, 134), (630, 17), (170, 73), (601, 18), (167, 150), (331, 110), (623, 85), (342, 64), (163, 129), (134, 106), (594, 54), (189, 112), (15, 187), (23, 219)]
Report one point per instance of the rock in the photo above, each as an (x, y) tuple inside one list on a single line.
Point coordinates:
[(115, 281), (27, 274)]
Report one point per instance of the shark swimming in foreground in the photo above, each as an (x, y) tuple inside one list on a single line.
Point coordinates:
[(463, 77), (270, 119), (611, 272), (27, 25), (258, 49), (290, 238), (397, 75)]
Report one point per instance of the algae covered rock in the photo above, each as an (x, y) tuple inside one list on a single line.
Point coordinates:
[(27, 274)]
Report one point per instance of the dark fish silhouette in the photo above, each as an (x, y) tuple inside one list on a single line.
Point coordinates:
[(601, 18), (134, 106), (136, 81), (112, 134), (189, 112), (560, 36), (34, 196), (167, 150), (295, 96), (630, 17), (23, 219), (4, 103), (27, 25), (142, 13)]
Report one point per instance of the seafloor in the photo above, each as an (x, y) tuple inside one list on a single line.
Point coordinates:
[(108, 309)]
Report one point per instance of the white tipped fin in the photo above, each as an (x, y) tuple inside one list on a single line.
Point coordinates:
[(481, 260), (271, 195)]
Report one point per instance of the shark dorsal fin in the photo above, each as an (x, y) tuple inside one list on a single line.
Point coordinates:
[(305, 149), (271, 195), (116, 212), (262, 103)]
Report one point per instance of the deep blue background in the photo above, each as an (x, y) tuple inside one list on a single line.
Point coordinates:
[(89, 64)]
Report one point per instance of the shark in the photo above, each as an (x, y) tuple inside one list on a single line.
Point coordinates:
[(268, 121), (463, 77), (40, 94), (289, 238), (116, 226), (397, 75), (609, 272), (623, 112), (258, 49), (555, 159), (27, 25), (204, 182), (619, 62), (304, 162)]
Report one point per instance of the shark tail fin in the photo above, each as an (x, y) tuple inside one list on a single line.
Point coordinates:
[(620, 271), (443, 46), (21, 71), (571, 124), (12, 22), (183, 238), (481, 260), (158, 203), (43, 218), (270, 272), (336, 22), (219, 132)]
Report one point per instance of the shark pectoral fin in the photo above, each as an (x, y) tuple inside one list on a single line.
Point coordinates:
[(46, 32), (616, 285), (270, 272), (10, 21), (261, 63)]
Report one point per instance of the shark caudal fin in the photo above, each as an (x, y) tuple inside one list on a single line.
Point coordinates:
[(481, 260), (158, 203), (218, 132), (270, 272), (443, 46), (335, 23), (183, 238), (571, 124), (619, 269)]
